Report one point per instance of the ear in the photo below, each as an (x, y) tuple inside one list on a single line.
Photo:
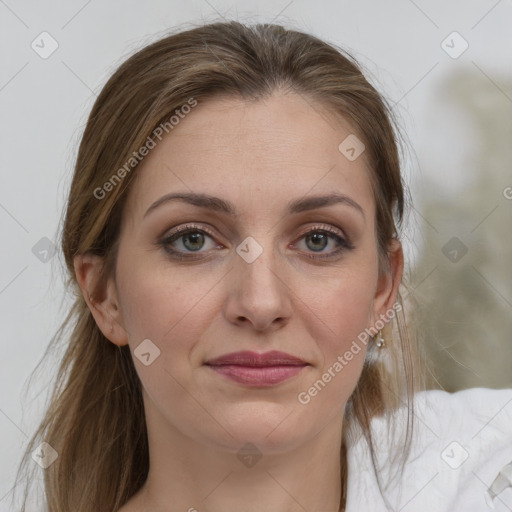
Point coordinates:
[(388, 283), (100, 294)]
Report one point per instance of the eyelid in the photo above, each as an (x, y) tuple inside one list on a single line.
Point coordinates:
[(188, 227), (308, 229), (323, 227)]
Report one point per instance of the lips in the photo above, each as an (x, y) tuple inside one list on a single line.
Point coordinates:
[(257, 370), (253, 359)]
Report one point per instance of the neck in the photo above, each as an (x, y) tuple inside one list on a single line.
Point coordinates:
[(189, 476)]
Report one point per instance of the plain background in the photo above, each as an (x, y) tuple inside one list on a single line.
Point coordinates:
[(455, 109)]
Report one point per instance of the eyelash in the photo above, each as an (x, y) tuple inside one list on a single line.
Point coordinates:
[(344, 243)]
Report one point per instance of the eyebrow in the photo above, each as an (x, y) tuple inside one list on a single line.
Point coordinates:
[(221, 205)]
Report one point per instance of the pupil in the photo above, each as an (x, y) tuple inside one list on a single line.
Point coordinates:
[(321, 237), (194, 237)]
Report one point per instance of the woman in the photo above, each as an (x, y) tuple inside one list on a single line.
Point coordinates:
[(232, 238)]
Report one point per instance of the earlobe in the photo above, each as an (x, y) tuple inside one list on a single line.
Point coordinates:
[(100, 294)]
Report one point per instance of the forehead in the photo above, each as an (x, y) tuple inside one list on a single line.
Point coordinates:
[(253, 151)]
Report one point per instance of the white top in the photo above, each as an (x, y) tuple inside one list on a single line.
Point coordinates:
[(462, 446)]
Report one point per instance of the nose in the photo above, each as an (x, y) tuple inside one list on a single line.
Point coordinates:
[(258, 297)]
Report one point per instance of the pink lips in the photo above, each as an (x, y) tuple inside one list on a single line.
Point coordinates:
[(255, 369)]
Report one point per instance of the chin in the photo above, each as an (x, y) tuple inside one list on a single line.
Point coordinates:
[(271, 435)]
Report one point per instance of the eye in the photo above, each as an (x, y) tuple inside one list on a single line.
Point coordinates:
[(318, 238), (188, 238)]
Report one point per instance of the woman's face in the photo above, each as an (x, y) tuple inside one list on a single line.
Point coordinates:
[(269, 275)]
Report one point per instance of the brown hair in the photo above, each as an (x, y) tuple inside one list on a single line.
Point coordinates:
[(95, 418)]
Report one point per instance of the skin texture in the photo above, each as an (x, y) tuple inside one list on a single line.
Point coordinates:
[(259, 156)]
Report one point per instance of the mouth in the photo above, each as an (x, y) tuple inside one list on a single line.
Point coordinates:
[(257, 370)]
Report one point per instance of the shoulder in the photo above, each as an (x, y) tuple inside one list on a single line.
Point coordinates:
[(461, 443), (473, 403)]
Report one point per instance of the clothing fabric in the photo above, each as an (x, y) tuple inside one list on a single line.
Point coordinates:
[(461, 446)]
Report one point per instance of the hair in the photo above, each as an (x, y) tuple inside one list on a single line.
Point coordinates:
[(95, 418)]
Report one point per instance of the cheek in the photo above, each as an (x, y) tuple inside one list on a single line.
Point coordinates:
[(161, 303), (172, 309), (344, 302), (338, 317)]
